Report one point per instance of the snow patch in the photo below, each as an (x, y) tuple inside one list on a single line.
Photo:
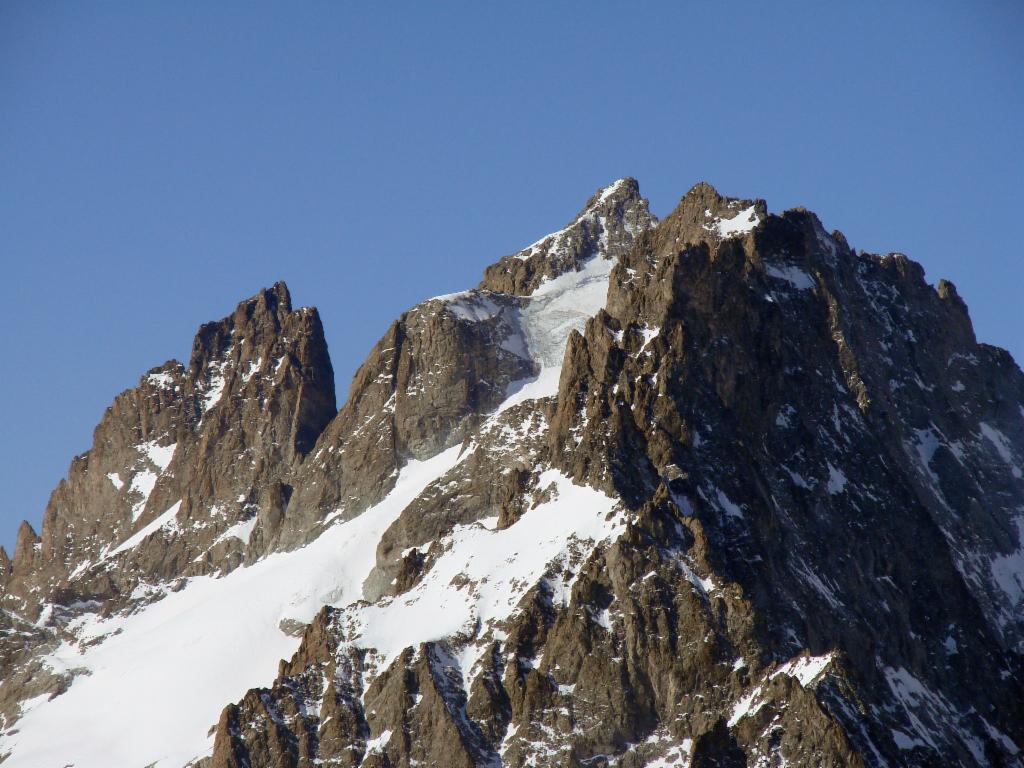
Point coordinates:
[(1002, 445), (240, 531), (159, 455), (740, 224), (649, 334), (142, 484), (798, 480), (806, 669), (795, 276), (213, 394), (1008, 570), (562, 305), (377, 744), (836, 480), (162, 380), (728, 505), (474, 306), (551, 243), (250, 371), (749, 704), (167, 519), (610, 190)]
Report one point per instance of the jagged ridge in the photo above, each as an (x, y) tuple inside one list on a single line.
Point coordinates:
[(762, 508)]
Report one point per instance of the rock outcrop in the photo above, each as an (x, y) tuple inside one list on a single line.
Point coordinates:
[(712, 491)]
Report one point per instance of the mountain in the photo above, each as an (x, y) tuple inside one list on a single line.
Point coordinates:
[(716, 490)]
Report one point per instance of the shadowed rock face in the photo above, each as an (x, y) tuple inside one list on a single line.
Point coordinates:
[(766, 509)]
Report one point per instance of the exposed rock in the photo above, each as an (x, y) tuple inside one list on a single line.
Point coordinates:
[(759, 503)]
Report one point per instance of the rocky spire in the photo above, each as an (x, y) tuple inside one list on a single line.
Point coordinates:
[(26, 548), (186, 448), (233, 358)]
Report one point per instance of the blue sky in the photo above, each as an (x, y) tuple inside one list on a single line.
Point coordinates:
[(162, 161)]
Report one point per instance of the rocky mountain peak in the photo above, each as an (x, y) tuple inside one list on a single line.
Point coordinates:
[(714, 491), (703, 214), (186, 450), (609, 222), (264, 337), (624, 193)]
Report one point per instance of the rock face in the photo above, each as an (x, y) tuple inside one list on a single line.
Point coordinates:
[(711, 491)]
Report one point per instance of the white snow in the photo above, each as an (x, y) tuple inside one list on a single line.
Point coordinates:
[(740, 224), (905, 742), (649, 334), (562, 305), (188, 654), (145, 479), (916, 700), (806, 669), (240, 531), (728, 505), (115, 480), (610, 190), (216, 381), (798, 480), (250, 371), (142, 484), (747, 705), (1002, 445), (214, 391), (784, 416), (926, 443), (166, 519), (1008, 570), (795, 276), (544, 385), (36, 701), (554, 239), (836, 480), (377, 744), (540, 326), (163, 380), (678, 756), (475, 306), (446, 297), (818, 584), (547, 317), (483, 574), (206, 644), (160, 455)]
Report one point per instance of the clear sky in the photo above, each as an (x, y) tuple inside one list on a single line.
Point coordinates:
[(160, 162)]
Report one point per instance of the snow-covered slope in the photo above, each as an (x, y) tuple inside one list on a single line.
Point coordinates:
[(149, 685)]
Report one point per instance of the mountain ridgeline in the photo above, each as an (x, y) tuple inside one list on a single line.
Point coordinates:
[(715, 490)]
